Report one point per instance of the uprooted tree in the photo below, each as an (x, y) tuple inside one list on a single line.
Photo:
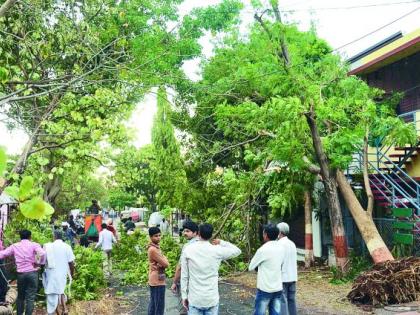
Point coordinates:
[(282, 97)]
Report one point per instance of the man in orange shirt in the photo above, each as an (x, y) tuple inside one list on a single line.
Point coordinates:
[(157, 265)]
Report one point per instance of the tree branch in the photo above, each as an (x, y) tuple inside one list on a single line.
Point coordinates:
[(368, 189), (284, 49), (226, 217), (58, 145), (96, 159), (6, 6), (312, 168)]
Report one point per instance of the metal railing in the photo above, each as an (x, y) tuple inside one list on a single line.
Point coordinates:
[(390, 187), (395, 180), (392, 182)]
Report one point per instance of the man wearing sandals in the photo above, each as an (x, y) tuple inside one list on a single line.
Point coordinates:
[(59, 265)]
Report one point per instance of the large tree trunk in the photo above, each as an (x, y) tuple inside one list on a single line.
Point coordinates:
[(52, 190), (331, 191), (6, 7), (376, 246), (368, 189), (309, 251), (21, 163)]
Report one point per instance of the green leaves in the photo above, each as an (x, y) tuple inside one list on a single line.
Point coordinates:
[(30, 205), (26, 187), (4, 73), (89, 278), (169, 175), (12, 191), (36, 208), (3, 161)]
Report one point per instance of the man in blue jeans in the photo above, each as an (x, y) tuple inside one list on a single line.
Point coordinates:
[(268, 262), (289, 270), (200, 262)]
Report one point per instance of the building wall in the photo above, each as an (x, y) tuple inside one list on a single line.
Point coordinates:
[(400, 76)]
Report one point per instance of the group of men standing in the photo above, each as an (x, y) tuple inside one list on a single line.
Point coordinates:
[(58, 259), (276, 263), (197, 274)]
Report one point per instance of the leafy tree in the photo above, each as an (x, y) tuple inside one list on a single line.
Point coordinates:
[(280, 100), (71, 77), (168, 165), (118, 198), (54, 70), (78, 187), (135, 174)]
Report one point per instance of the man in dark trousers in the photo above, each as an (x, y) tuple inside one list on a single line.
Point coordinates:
[(28, 255), (289, 268), (4, 284), (157, 279)]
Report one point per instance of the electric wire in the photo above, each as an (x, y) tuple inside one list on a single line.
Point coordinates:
[(378, 29)]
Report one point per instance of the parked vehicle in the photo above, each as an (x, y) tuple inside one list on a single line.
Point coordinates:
[(136, 214), (155, 219)]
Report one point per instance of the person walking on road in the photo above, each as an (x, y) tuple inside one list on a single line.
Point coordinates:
[(28, 256), (157, 278), (110, 227), (268, 260), (106, 241), (189, 230), (289, 270), (200, 264)]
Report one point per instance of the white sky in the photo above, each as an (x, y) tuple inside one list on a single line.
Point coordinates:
[(338, 27)]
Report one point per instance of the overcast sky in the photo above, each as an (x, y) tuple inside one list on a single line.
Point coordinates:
[(337, 26)]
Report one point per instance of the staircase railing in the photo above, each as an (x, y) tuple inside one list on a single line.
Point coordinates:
[(390, 188), (388, 177)]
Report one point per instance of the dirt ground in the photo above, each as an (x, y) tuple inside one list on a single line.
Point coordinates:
[(315, 294)]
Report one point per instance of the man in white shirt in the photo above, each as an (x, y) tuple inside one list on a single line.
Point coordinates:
[(268, 262), (106, 240), (189, 231), (200, 264), (289, 270), (59, 265)]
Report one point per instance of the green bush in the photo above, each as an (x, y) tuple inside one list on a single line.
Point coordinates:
[(89, 278), (41, 231), (358, 264), (130, 256)]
